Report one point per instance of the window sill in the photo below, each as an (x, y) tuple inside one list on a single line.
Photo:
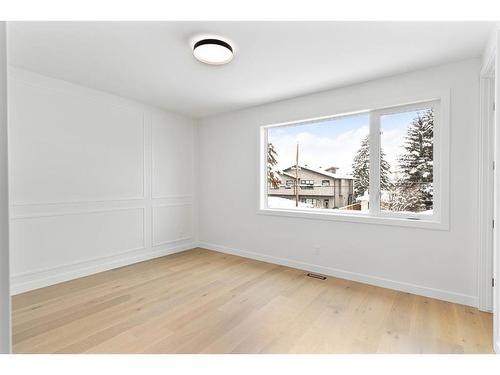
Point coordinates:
[(356, 218)]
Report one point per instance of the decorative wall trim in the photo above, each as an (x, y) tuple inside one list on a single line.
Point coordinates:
[(34, 280), (145, 155), (152, 165), (56, 270), (49, 203), (173, 204), (72, 213), (141, 122), (172, 241), (97, 97), (89, 212), (52, 270), (173, 197), (348, 275)]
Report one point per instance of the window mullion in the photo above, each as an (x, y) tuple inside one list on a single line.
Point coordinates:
[(374, 146), (264, 186)]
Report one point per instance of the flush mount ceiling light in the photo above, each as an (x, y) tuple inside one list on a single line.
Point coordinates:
[(213, 51)]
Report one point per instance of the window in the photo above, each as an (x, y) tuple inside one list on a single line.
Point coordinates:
[(307, 184), (388, 163), (311, 201), (406, 160), (325, 149)]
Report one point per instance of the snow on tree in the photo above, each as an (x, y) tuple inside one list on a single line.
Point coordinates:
[(406, 198), (414, 189), (361, 169), (272, 160)]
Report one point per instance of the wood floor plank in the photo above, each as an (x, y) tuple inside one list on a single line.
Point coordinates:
[(201, 301), (157, 296), (115, 281)]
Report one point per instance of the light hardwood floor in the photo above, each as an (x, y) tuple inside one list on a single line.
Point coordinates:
[(201, 301)]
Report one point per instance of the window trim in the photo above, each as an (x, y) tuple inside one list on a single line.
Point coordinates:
[(440, 218), (375, 147)]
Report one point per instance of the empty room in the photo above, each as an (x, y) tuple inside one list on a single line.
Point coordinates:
[(249, 187)]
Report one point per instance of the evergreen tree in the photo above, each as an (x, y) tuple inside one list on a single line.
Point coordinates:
[(272, 160), (406, 198), (361, 169), (414, 191)]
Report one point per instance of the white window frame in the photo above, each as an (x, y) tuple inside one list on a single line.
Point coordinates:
[(439, 220)]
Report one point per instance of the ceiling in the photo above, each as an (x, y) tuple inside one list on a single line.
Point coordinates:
[(152, 62)]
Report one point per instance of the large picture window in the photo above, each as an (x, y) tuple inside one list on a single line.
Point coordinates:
[(378, 163)]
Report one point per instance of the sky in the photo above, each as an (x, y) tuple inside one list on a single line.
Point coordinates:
[(334, 142)]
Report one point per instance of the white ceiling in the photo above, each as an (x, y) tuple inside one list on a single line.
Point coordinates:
[(152, 61)]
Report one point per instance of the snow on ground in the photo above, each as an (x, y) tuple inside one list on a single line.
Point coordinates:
[(428, 212), (278, 202)]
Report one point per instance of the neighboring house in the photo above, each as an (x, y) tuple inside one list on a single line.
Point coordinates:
[(323, 188)]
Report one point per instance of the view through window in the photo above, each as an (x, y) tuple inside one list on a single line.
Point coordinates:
[(325, 164), (406, 170), (332, 160)]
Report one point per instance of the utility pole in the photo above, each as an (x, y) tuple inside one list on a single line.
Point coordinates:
[(297, 177)]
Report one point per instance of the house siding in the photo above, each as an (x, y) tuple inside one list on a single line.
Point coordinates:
[(338, 194)]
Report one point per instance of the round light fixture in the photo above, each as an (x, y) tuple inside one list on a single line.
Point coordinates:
[(213, 51)]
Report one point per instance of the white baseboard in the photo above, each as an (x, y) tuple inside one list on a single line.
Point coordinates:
[(348, 275), (34, 280), (39, 279)]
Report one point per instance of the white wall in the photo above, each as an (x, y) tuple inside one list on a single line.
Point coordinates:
[(97, 181), (493, 49), (496, 256), (435, 263), (4, 203)]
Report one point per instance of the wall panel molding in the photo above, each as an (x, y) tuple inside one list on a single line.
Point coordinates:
[(172, 204), (173, 197), (177, 238), (110, 199), (180, 145), (40, 257), (33, 280), (22, 204), (72, 213), (72, 147)]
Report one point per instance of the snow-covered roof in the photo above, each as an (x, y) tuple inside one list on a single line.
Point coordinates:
[(288, 174), (320, 171)]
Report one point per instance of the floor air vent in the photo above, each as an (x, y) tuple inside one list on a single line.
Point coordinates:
[(316, 276)]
